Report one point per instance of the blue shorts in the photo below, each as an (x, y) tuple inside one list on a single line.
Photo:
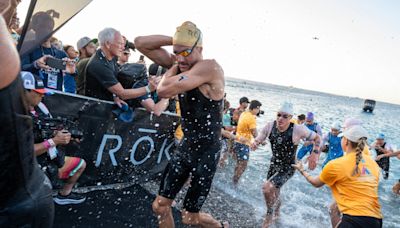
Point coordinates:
[(242, 151)]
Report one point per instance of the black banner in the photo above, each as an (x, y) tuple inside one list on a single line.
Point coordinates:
[(115, 151)]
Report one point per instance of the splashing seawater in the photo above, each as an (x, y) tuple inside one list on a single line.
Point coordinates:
[(302, 204)]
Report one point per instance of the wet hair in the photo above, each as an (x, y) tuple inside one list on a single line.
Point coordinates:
[(359, 149), (254, 104), (301, 117), (107, 35)]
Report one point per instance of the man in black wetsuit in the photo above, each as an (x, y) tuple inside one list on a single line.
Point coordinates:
[(382, 147), (25, 196), (200, 85), (284, 137)]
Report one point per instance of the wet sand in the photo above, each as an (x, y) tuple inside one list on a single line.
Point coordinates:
[(131, 207)]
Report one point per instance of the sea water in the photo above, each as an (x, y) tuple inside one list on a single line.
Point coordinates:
[(302, 204)]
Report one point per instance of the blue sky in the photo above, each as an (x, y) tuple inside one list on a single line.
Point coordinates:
[(343, 47)]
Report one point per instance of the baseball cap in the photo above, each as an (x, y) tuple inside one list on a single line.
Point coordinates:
[(336, 125), (310, 116), (82, 42), (286, 107), (244, 99), (355, 133), (380, 136), (33, 82), (351, 122)]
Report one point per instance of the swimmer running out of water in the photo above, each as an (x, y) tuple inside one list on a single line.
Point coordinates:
[(199, 84), (284, 137)]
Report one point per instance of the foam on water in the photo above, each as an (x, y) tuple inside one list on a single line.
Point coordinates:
[(302, 204)]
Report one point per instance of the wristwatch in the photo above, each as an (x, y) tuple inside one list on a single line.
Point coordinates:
[(315, 151)]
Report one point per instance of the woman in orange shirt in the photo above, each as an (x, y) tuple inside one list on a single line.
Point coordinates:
[(354, 180)]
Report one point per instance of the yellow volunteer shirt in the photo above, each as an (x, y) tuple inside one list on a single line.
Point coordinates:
[(247, 122), (355, 195)]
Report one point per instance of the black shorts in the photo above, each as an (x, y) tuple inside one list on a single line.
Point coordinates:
[(349, 221), (197, 160), (279, 176)]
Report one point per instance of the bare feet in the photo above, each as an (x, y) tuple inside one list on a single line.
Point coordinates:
[(396, 188), (268, 221)]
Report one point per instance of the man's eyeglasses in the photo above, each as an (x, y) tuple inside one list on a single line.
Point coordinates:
[(187, 52), (285, 116)]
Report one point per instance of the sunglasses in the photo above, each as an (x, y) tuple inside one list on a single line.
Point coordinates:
[(285, 116), (127, 53), (187, 52)]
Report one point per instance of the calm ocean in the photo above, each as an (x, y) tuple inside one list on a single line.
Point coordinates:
[(302, 204)]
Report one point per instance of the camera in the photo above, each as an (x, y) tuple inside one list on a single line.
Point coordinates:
[(56, 63), (48, 125), (261, 112)]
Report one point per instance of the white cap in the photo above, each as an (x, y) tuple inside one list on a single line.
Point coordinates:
[(336, 125), (351, 122), (286, 107), (355, 133)]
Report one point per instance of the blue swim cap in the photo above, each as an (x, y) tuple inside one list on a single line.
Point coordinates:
[(310, 116), (380, 136)]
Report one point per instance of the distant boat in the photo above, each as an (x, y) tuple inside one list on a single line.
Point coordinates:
[(369, 105)]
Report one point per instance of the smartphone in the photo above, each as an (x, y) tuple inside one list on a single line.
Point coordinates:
[(56, 63), (141, 58)]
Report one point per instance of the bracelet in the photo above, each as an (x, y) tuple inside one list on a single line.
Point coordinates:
[(51, 142), (147, 89), (46, 144)]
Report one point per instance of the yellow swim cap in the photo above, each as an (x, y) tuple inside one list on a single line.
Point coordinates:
[(187, 35)]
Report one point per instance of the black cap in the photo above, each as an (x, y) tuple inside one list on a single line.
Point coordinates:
[(243, 100)]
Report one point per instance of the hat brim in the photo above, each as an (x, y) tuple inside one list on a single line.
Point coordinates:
[(41, 91)]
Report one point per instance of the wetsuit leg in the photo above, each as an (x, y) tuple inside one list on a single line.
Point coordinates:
[(202, 178), (174, 177), (385, 165), (279, 176)]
